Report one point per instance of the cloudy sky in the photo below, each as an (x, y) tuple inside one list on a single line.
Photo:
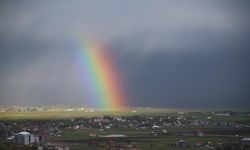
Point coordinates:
[(193, 54)]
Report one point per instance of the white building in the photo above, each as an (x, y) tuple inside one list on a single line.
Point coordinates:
[(23, 138)]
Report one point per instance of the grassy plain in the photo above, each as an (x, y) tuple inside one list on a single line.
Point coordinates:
[(75, 114), (195, 113)]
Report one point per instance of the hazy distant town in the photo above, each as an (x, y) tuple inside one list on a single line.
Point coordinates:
[(47, 108)]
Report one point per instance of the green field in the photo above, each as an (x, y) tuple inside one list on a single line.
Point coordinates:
[(74, 114), (149, 143), (140, 112), (129, 111)]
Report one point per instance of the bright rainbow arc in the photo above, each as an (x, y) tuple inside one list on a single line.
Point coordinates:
[(101, 77)]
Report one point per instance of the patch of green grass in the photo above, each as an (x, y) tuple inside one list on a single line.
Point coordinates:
[(73, 114), (126, 112)]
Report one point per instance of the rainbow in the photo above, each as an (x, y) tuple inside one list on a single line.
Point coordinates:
[(101, 78)]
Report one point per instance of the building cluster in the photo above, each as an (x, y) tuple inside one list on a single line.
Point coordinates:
[(53, 127), (57, 108), (26, 138), (38, 131)]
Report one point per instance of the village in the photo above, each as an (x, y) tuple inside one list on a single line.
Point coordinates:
[(193, 130)]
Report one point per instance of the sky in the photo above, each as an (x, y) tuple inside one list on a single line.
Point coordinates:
[(169, 53)]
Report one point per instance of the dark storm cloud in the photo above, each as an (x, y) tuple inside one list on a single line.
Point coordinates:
[(191, 80), (169, 53)]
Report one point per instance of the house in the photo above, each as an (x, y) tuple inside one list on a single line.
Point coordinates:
[(61, 147), (156, 127), (155, 133), (198, 133), (245, 141), (164, 131), (40, 138), (92, 134), (107, 127), (181, 143), (199, 143)]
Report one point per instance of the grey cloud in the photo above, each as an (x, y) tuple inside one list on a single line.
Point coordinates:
[(112, 19), (169, 53)]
